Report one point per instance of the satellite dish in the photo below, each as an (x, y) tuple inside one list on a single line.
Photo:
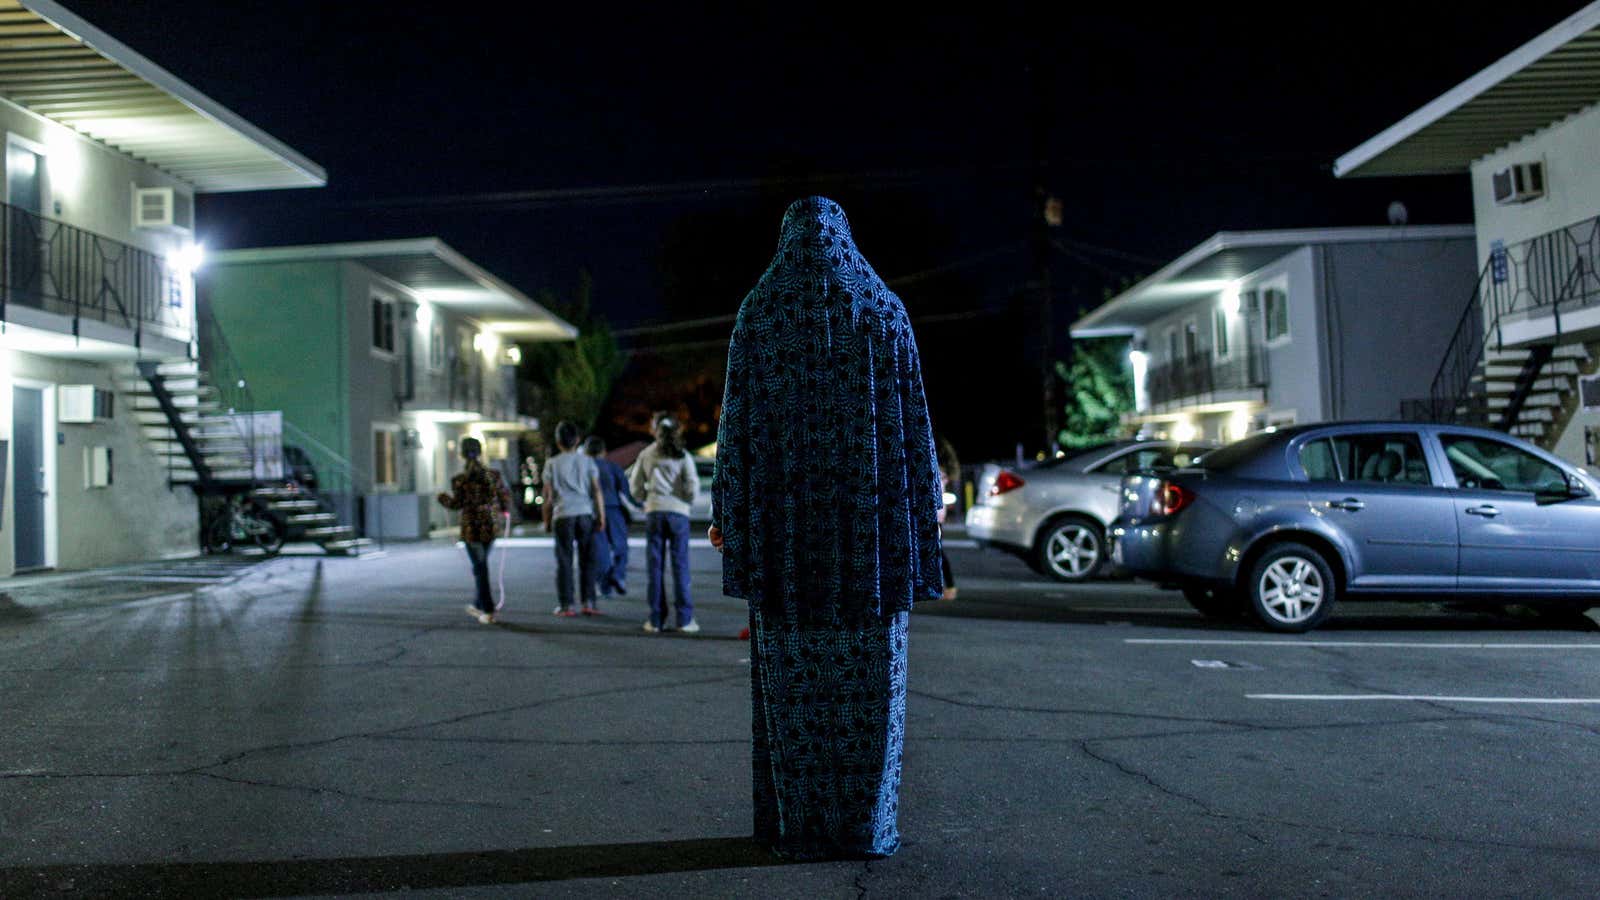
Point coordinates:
[(1397, 213)]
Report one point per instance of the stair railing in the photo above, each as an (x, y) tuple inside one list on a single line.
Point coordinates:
[(340, 483), (226, 375)]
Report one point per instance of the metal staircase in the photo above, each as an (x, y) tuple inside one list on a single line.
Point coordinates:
[(1531, 389), (199, 420)]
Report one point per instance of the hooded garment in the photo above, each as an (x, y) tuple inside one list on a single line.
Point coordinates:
[(827, 487)]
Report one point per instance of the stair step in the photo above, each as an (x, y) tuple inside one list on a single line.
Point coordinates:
[(326, 532), (352, 546), (1537, 414), (1559, 383), (1570, 351), (286, 505), (312, 518), (1510, 357), (1561, 367), (281, 494), (1494, 372)]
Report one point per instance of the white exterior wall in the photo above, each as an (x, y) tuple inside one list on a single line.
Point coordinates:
[(1570, 150), (90, 186)]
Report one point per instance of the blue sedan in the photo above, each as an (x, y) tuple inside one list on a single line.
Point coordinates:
[(1283, 525)]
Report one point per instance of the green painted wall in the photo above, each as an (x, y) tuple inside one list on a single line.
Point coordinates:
[(286, 324)]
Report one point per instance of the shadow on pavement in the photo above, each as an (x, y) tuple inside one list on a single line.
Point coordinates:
[(369, 874)]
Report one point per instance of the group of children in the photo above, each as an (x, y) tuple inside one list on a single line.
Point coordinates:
[(587, 503)]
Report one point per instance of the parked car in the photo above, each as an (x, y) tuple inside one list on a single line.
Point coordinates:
[(1054, 514), (1285, 525), (700, 510)]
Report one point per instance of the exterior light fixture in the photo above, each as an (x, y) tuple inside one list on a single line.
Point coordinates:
[(1185, 431), (1140, 361), (424, 316), (1230, 300), (514, 354)]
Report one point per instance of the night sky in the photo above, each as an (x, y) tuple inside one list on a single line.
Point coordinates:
[(491, 130)]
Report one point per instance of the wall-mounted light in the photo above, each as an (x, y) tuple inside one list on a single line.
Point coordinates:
[(1239, 425), (424, 316), (514, 354), (1185, 430), (1230, 300), (188, 258), (479, 341), (1140, 361)]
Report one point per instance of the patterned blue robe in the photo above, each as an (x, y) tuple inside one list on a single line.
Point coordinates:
[(827, 495)]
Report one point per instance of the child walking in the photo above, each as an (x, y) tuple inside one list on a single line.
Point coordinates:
[(573, 508), (664, 476), (480, 493)]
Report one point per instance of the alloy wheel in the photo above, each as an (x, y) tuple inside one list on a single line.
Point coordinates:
[(1291, 589), (1072, 551)]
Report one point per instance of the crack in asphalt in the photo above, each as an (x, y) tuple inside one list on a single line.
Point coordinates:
[(861, 880), (370, 798)]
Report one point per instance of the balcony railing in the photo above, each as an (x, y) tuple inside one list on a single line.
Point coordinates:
[(1556, 272), (1204, 375), (63, 269)]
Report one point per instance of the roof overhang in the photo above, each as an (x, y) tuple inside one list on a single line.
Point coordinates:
[(1220, 261), (430, 270), (57, 65), (1540, 83)]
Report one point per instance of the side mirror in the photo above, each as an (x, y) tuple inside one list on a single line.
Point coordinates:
[(1575, 488)]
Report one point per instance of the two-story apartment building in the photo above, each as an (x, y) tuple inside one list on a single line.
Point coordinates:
[(1258, 329), (104, 154), (381, 356), (1526, 130)]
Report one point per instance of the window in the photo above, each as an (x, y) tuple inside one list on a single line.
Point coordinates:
[(1191, 340), (1219, 332), (436, 347), (1383, 458), (383, 323), (1172, 345), (1157, 456), (385, 468), (1275, 313), (1491, 465)]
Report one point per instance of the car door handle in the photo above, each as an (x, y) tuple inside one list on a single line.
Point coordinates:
[(1349, 504), (1487, 511)]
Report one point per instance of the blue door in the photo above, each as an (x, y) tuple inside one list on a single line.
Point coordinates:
[(24, 227), (27, 429), (1518, 530), (1377, 489)]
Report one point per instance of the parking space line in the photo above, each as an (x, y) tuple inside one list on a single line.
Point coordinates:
[(1401, 645), (1433, 698)]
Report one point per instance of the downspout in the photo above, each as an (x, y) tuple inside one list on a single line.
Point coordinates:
[(1333, 336)]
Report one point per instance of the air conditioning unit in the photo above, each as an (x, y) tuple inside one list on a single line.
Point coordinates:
[(1519, 183), (82, 404), (163, 208), (1589, 392)]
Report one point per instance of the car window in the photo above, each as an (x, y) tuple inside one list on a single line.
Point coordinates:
[(1493, 465), (1379, 458), (1153, 457)]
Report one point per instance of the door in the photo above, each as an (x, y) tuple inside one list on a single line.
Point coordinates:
[(25, 194), (1398, 519), (1519, 529), (28, 445)]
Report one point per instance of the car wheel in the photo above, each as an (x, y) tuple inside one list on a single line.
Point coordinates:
[(1070, 549), (1291, 588), (1214, 603)]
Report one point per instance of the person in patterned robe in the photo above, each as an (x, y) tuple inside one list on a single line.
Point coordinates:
[(825, 506), (481, 495)]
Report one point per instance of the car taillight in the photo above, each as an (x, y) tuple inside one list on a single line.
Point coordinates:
[(1005, 482), (1170, 498)]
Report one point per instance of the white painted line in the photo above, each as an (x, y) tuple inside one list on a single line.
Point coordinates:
[(551, 542), (1403, 645), (962, 544), (1432, 698)]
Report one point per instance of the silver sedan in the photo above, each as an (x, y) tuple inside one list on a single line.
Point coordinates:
[(1054, 514)]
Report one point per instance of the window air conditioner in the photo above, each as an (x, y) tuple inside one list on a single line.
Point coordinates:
[(1589, 392), (163, 208), (81, 404), (1519, 183)]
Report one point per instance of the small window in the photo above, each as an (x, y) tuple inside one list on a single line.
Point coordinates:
[(1172, 345), (382, 323), (436, 347), (384, 459), (1275, 313), (1219, 332), (1316, 458), (1191, 340), (1491, 465)]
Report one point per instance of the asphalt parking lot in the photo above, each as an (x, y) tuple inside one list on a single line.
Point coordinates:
[(333, 727)]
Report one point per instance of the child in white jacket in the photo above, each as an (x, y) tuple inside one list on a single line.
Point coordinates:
[(664, 477)]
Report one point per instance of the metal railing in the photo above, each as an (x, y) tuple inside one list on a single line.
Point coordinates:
[(222, 369), (1547, 274), (1198, 376), (341, 485), (63, 269), (1550, 273)]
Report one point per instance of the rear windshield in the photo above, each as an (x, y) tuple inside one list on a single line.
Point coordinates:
[(1225, 458), (1075, 453)]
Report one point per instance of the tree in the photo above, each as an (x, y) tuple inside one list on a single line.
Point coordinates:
[(1099, 391), (569, 382)]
